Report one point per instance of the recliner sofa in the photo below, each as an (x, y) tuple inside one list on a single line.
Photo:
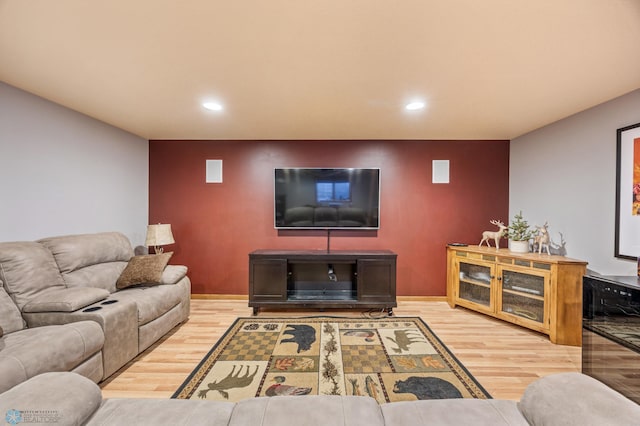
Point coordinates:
[(61, 308)]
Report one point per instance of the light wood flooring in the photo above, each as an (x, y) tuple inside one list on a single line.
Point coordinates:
[(504, 358)]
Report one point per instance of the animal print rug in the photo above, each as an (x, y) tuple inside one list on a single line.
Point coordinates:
[(389, 359)]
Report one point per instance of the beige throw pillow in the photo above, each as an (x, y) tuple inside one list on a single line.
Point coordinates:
[(173, 273), (146, 269)]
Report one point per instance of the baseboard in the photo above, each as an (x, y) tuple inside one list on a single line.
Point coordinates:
[(246, 297), (421, 298), (221, 296)]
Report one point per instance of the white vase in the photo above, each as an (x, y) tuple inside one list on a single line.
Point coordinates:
[(519, 246)]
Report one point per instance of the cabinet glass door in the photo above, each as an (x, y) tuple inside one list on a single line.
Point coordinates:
[(523, 295), (475, 283)]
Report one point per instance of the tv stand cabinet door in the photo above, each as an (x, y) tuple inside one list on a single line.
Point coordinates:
[(377, 281), (267, 280)]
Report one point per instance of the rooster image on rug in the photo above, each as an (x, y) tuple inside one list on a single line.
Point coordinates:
[(278, 389)]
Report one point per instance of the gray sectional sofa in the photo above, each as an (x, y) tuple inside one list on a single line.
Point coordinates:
[(83, 303), (559, 399)]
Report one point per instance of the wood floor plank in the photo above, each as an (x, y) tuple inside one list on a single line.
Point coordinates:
[(503, 357)]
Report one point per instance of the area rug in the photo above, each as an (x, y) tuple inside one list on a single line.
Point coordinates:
[(389, 359)]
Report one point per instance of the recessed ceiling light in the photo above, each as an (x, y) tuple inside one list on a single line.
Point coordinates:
[(212, 106), (412, 106)]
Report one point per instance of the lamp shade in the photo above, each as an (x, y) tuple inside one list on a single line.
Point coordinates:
[(159, 235)]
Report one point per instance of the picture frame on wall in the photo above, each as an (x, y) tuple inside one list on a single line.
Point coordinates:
[(627, 237)]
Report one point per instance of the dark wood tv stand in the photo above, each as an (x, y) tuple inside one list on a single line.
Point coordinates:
[(321, 279)]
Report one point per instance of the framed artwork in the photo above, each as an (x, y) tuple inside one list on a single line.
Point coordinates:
[(627, 245)]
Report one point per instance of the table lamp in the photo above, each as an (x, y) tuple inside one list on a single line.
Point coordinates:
[(159, 235)]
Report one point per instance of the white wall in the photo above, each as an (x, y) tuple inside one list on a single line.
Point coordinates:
[(62, 172), (566, 173)]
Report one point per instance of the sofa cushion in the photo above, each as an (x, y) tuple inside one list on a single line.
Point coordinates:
[(67, 346), (66, 300), (90, 260), (27, 269), (453, 412), (100, 275), (328, 410), (59, 398), (73, 252), (10, 318), (174, 412), (152, 302), (145, 269), (576, 399)]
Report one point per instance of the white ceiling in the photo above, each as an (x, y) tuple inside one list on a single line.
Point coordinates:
[(323, 69)]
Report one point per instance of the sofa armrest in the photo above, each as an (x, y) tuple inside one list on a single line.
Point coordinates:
[(65, 300), (60, 398), (576, 399)]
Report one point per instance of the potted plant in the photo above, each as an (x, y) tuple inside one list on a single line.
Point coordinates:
[(519, 234)]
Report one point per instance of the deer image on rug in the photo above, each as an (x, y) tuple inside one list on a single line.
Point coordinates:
[(302, 335), (232, 380)]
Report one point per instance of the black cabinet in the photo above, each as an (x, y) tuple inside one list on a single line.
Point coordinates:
[(319, 279), (611, 332), (265, 278), (377, 278)]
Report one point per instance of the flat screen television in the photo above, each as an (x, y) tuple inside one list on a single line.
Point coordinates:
[(337, 198)]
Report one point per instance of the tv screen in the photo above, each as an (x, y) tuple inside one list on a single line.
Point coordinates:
[(327, 198)]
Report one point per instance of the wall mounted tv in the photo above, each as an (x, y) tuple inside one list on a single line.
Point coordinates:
[(312, 198)]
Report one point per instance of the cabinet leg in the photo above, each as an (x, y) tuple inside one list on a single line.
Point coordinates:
[(390, 312), (255, 311)]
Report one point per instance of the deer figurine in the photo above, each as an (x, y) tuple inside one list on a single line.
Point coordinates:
[(542, 238), (495, 235), (559, 249)]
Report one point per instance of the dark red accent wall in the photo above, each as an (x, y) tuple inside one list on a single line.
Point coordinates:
[(216, 225)]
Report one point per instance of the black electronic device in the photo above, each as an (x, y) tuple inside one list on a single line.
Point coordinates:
[(610, 331), (327, 198)]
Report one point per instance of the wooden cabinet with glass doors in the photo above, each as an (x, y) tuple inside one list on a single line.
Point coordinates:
[(536, 291)]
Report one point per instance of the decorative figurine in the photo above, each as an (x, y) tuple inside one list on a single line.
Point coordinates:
[(495, 235), (559, 249), (542, 238)]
